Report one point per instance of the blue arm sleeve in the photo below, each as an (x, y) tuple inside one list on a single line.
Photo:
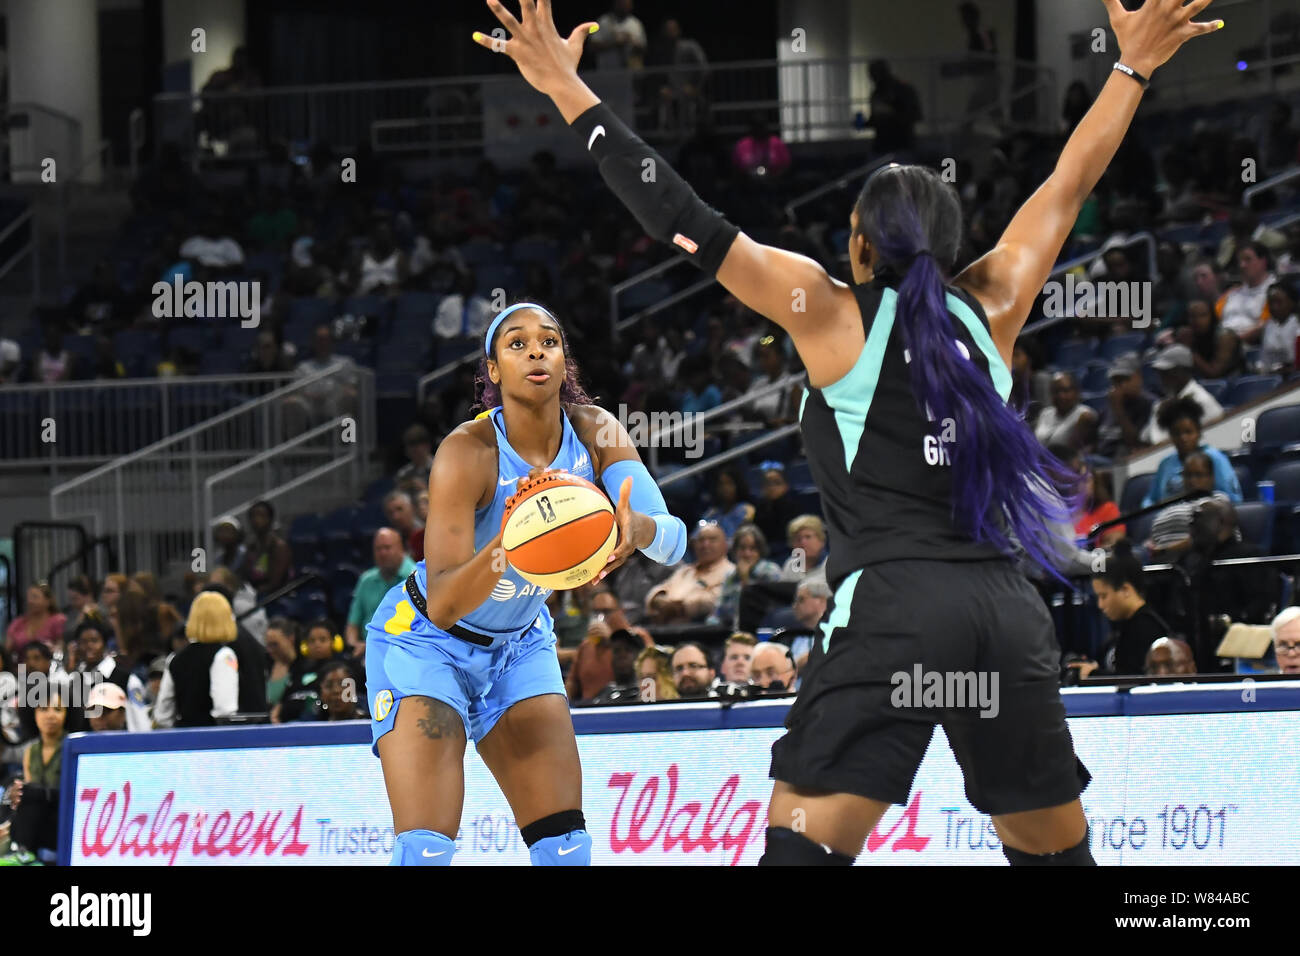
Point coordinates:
[(670, 543)]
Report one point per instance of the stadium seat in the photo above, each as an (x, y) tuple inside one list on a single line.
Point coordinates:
[(415, 310), (645, 294), (1095, 378), (213, 362), (306, 313), (1275, 429), (1097, 401), (371, 305), (799, 475), (1285, 476), (1074, 353), (1117, 345), (1218, 388), (1250, 387), (338, 547), (1256, 519), (533, 249), (376, 490), (305, 549), (1247, 481), (1135, 489), (478, 253)]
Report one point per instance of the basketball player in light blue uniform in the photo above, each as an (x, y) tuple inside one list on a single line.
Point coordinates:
[(465, 648)]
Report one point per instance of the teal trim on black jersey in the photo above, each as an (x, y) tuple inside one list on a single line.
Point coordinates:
[(998, 370), (850, 397), (839, 616)]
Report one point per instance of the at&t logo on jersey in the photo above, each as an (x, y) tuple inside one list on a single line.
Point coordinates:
[(506, 590)]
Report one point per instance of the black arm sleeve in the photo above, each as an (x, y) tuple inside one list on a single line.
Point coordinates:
[(665, 205)]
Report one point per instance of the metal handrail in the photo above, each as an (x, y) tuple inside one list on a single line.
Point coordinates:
[(445, 369), (729, 454), (31, 247), (1144, 236), (658, 436), (1252, 191), (840, 182), (170, 382), (209, 516), (185, 434)]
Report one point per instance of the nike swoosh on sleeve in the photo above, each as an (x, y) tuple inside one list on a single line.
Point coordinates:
[(598, 131)]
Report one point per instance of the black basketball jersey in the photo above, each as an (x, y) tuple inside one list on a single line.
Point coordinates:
[(884, 473)]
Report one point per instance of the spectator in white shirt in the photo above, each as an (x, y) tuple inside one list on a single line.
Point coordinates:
[(620, 41), (329, 395), (463, 313), (211, 249), (1277, 343), (1175, 367), (1245, 308)]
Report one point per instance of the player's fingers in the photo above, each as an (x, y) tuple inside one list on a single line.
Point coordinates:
[(1114, 8), (505, 16), (495, 44), (1195, 7), (1199, 29), (527, 10), (581, 32)]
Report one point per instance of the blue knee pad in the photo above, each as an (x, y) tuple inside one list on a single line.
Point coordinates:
[(422, 848), (571, 849)]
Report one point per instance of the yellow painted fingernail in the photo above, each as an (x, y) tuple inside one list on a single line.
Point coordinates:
[(477, 36), (1219, 25), (593, 28)]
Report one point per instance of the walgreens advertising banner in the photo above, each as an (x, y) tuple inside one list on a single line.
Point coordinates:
[(1179, 789)]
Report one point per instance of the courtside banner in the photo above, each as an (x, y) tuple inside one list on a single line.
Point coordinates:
[(685, 784)]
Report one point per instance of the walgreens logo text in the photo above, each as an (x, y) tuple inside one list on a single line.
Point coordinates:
[(110, 829), (722, 827)]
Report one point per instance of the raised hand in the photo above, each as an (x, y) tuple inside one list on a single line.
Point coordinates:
[(545, 59), (1149, 36)]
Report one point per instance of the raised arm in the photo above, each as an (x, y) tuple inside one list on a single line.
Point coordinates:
[(1010, 276), (791, 290)]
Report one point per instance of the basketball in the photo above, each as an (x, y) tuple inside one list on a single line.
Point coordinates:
[(558, 531)]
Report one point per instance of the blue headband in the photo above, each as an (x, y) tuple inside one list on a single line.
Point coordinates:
[(492, 329)]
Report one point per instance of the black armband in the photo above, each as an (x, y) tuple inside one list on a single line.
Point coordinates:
[(665, 205)]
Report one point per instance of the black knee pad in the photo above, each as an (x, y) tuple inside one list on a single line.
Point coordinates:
[(787, 848), (1080, 855), (557, 824)]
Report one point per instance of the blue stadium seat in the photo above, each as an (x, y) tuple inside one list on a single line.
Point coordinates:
[(304, 524), (809, 502), (1151, 380), (533, 249), (305, 549), (1137, 530), (1074, 353), (415, 310), (1285, 476), (1097, 401), (1095, 378), (192, 337), (235, 338), (376, 490), (1117, 345), (372, 305), (1247, 481), (370, 516), (449, 350), (338, 547), (306, 313), (491, 276), (479, 253), (1135, 489), (1255, 518), (132, 342), (1250, 387), (220, 363), (340, 519), (798, 474), (1276, 428), (1217, 387), (645, 294)]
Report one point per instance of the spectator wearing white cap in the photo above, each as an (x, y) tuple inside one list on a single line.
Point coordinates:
[(228, 534), (1175, 364), (106, 707)]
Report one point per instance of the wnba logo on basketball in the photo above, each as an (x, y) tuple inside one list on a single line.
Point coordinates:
[(544, 506)]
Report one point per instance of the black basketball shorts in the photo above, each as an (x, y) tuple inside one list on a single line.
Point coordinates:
[(911, 644)]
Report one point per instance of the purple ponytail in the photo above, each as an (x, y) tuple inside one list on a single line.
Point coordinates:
[(998, 467)]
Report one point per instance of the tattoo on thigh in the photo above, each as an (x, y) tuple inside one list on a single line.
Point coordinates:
[(439, 721)]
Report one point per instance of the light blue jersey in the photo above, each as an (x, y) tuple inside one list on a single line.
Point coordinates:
[(408, 655)]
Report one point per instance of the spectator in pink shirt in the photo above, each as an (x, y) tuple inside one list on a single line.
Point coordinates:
[(761, 154), (40, 622)]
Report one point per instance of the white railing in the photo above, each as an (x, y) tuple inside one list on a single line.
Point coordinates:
[(97, 421), (233, 491), (152, 501), (445, 116)]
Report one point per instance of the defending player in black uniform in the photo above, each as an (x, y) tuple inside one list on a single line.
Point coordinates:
[(926, 475)]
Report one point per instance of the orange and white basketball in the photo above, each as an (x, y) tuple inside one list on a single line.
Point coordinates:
[(558, 531)]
